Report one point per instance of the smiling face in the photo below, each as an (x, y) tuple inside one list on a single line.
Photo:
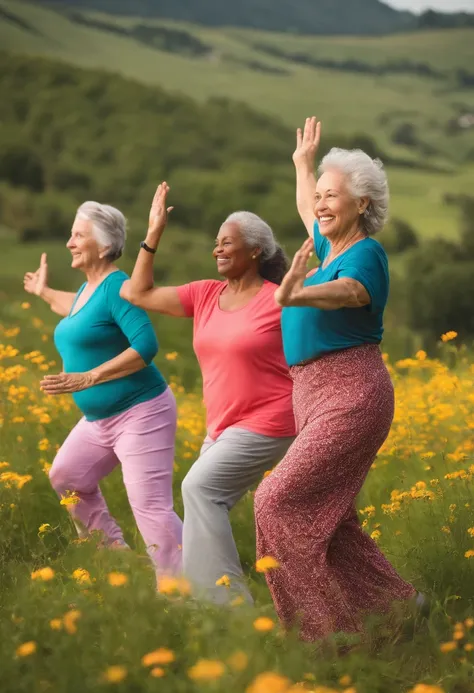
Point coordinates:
[(84, 248), (335, 209), (233, 257)]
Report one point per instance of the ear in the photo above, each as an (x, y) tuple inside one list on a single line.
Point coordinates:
[(363, 204), (103, 252), (256, 252)]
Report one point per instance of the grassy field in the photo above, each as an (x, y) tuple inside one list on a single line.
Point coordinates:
[(78, 619)]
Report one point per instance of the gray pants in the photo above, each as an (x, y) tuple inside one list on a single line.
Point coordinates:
[(224, 471)]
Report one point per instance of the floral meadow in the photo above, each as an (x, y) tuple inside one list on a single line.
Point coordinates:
[(76, 617)]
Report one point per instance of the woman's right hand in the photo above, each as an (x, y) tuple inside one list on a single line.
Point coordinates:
[(37, 282), (307, 143), (158, 212)]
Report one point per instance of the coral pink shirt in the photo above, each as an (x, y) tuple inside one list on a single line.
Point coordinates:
[(246, 380)]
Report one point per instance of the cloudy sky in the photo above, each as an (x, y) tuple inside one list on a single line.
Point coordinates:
[(442, 5)]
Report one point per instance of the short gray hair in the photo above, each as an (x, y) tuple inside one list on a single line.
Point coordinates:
[(366, 178), (255, 232), (108, 225)]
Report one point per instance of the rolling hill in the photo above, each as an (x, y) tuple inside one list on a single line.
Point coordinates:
[(298, 16)]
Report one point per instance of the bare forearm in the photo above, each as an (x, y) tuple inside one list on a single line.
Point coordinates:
[(305, 193), (60, 302), (126, 363), (329, 296), (142, 275)]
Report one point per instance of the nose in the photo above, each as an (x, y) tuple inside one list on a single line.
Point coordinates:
[(70, 243), (320, 206)]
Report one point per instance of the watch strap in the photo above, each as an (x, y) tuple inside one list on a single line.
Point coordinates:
[(147, 248)]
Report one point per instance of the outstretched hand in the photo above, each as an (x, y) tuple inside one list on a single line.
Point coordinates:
[(64, 383), (159, 211), (294, 278), (307, 143), (36, 282)]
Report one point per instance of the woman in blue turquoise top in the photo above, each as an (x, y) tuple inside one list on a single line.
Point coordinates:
[(107, 347), (330, 571)]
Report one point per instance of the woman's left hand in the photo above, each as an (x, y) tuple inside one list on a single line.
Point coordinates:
[(66, 382), (294, 278)]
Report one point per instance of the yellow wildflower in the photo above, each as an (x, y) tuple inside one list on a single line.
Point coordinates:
[(56, 624), (171, 356), (25, 305), (421, 355), (44, 574), (224, 581), (42, 529), (448, 336), (469, 554), (448, 646), (238, 661), (70, 499), (82, 576), (376, 534), (70, 619), (345, 680), (206, 670), (26, 649), (172, 586), (263, 624), (160, 656), (115, 674), (43, 444), (117, 579), (426, 688), (263, 565), (269, 682), (157, 672)]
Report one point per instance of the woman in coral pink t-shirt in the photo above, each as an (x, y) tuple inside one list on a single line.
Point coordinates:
[(247, 387)]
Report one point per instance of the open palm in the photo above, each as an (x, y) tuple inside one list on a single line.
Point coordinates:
[(159, 211), (36, 282), (307, 142)]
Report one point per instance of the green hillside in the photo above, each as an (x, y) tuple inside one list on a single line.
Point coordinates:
[(237, 64), (302, 16)]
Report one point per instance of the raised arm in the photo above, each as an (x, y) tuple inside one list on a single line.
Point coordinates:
[(307, 143), (36, 283), (139, 290)]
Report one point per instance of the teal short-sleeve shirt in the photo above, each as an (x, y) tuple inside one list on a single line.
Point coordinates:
[(311, 332)]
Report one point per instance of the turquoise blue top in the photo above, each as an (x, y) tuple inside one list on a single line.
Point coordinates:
[(102, 329), (312, 332)]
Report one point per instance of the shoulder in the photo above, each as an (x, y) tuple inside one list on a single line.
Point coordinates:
[(368, 252), (114, 281), (202, 289)]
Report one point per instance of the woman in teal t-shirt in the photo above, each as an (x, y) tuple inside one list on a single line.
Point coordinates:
[(332, 323), (107, 346)]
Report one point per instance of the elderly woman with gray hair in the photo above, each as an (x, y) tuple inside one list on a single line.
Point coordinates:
[(330, 571), (247, 387), (107, 347)]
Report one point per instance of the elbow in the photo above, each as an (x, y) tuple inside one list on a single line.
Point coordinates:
[(147, 351), (127, 293)]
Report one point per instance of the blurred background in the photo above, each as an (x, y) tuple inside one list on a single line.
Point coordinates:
[(103, 99)]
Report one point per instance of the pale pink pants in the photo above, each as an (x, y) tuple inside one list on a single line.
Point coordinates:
[(141, 439)]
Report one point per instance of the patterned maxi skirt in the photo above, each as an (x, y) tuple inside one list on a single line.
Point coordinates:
[(330, 570)]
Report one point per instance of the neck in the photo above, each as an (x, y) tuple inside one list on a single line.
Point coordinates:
[(96, 273), (345, 240), (246, 281)]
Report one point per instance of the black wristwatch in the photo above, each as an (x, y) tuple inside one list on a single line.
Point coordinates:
[(147, 248)]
